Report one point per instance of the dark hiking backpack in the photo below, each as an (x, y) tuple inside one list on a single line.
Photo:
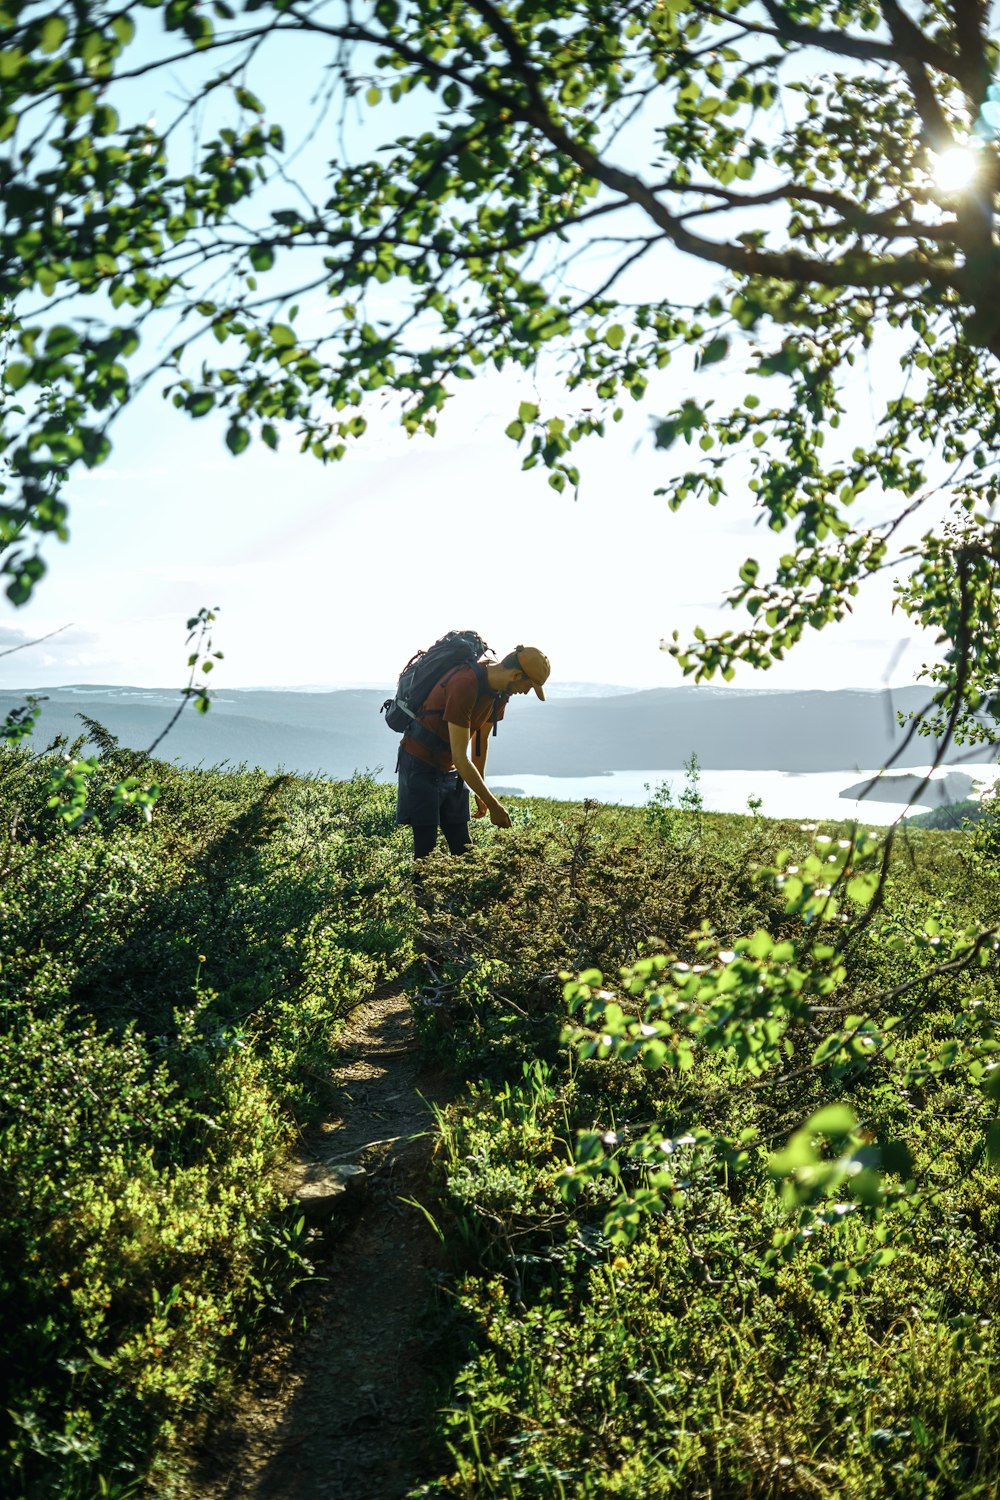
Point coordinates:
[(459, 648)]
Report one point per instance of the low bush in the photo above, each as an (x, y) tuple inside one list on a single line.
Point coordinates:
[(169, 1002), (671, 1285)]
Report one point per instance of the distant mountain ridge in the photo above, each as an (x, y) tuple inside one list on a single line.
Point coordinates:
[(335, 733)]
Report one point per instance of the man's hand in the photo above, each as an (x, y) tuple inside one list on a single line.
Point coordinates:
[(500, 817), (481, 808)]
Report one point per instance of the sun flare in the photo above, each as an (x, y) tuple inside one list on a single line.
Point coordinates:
[(955, 168)]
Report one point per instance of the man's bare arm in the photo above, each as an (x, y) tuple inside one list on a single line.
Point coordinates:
[(458, 736), (479, 761)]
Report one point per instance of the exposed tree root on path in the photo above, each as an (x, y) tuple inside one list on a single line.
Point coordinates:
[(342, 1412)]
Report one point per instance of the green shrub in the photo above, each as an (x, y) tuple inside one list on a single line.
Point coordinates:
[(649, 1309), (169, 1004)]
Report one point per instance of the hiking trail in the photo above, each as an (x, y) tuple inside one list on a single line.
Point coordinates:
[(342, 1409)]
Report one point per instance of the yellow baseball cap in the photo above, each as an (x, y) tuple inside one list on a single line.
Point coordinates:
[(535, 665)]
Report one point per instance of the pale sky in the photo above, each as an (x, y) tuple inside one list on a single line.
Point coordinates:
[(334, 576)]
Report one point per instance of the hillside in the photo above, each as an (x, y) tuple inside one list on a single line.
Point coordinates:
[(335, 733), (725, 1201)]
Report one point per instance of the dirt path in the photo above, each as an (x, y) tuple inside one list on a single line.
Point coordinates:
[(343, 1411)]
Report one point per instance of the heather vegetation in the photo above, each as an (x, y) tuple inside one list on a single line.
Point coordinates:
[(169, 995), (725, 1222), (727, 1228)]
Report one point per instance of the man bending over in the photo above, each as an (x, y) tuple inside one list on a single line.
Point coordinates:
[(443, 753)]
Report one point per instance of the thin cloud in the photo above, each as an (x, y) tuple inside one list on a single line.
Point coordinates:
[(26, 641)]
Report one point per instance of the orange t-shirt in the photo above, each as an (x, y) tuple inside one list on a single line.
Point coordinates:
[(461, 697)]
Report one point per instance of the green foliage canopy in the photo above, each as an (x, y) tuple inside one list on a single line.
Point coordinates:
[(523, 179)]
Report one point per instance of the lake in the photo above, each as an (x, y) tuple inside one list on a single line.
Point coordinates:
[(814, 795)]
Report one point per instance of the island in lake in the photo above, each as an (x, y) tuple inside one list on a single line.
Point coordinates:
[(955, 786)]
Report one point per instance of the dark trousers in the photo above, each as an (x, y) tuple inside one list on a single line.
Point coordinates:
[(425, 836), (429, 799)]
